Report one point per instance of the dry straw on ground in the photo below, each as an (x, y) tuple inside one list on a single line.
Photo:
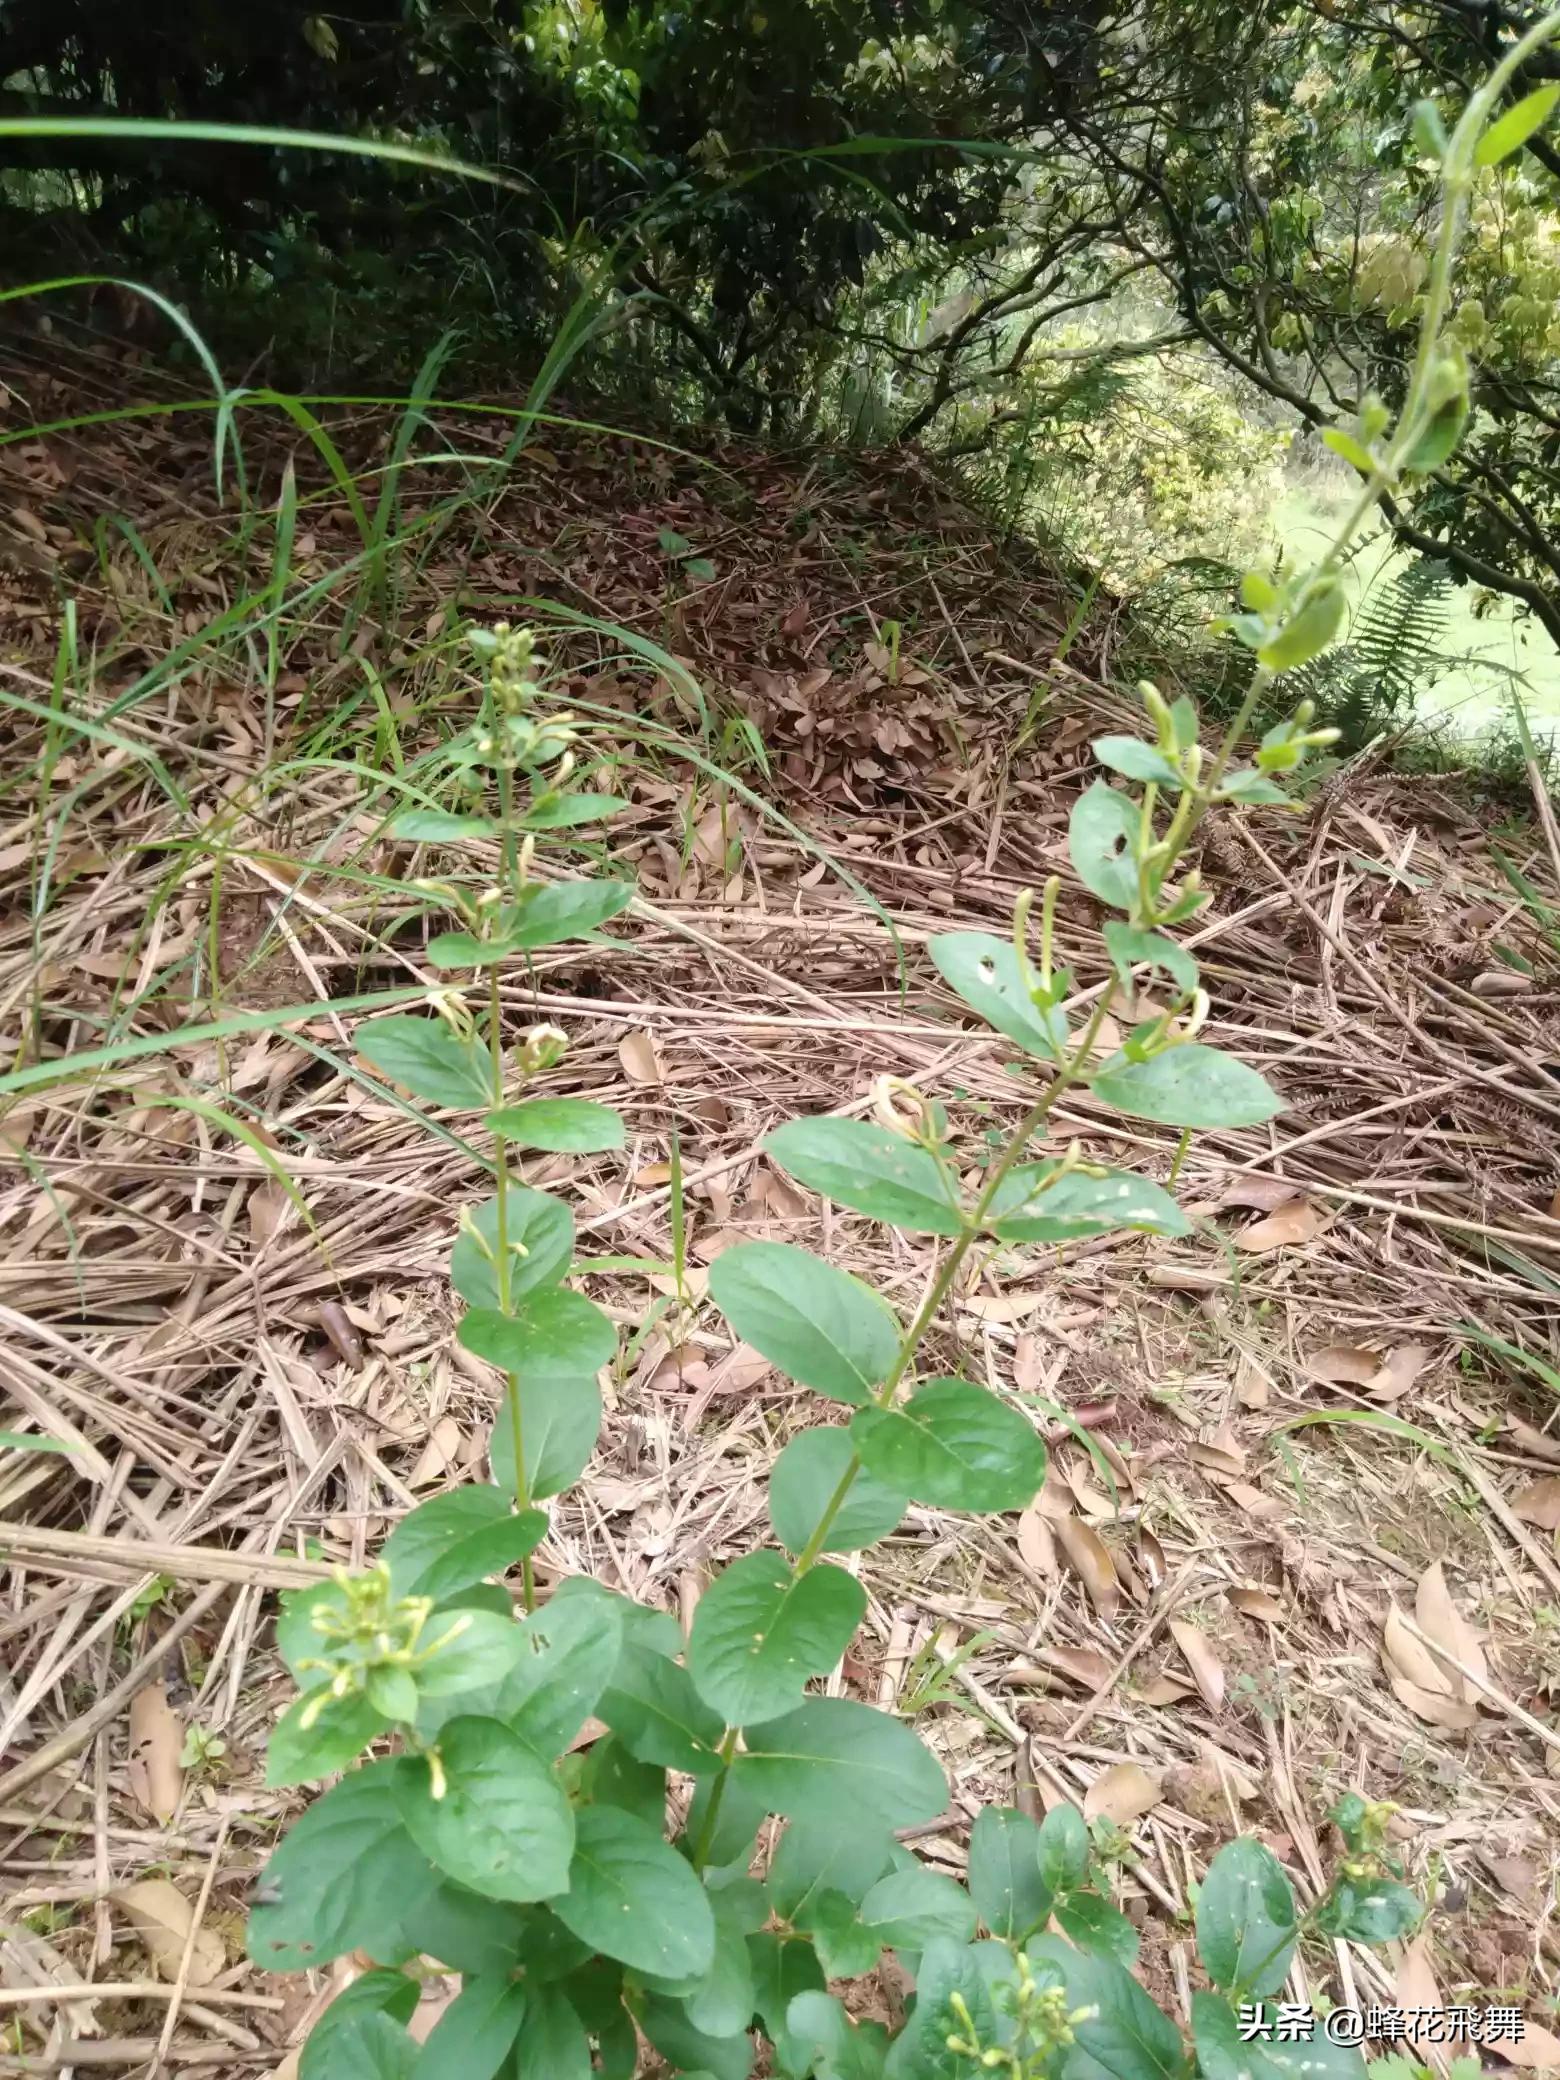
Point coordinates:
[(1312, 1546)]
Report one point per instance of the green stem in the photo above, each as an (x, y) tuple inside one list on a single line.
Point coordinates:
[(1181, 1147), (728, 1748), (501, 1268), (1067, 1075)]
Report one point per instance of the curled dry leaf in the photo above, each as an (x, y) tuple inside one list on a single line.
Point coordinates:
[(156, 1738), (1221, 1455), (269, 1207), (1536, 2050), (1257, 1603), (162, 1917), (1343, 1365), (1036, 1544), (1081, 1665), (1205, 1665), (1415, 1986), (1259, 1194), (1123, 1793), (1441, 1621), (1533, 1442), (1253, 1502), (1295, 1221), (1539, 1503), (1399, 1369), (641, 1058), (1152, 1555), (1165, 1689), (1410, 1658), (1089, 1557)]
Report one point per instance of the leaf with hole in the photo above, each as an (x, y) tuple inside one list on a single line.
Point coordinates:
[(539, 1235), (804, 1481), (559, 1126), (1034, 1204), (1187, 1086), (822, 1327), (555, 1332), (871, 1170), (985, 972), (953, 1445), (1246, 1923), (634, 1898), (560, 1420), (456, 1539), (569, 1650), (1102, 836), (343, 1878), (501, 1823), (835, 1761), (425, 1057), (761, 1630)]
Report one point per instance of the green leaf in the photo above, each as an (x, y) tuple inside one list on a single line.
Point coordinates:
[(1352, 450), (438, 826), (560, 1126), (554, 1331), (28, 1441), (614, 1777), (845, 1949), (817, 1857), (672, 543), (1136, 760), (783, 1967), (1064, 1849), (1091, 1923), (477, 2031), (1307, 631), (391, 1996), (370, 2047), (652, 1705), (1246, 1919), (870, 1169), (333, 1740), (426, 1058), (911, 1908), (465, 1649), (985, 972), (446, 950), (699, 567), (553, 2044), (954, 1446), (722, 2002), (560, 1420), (297, 1640), (1006, 1882), (1102, 835), (540, 1234), (822, 1327), (830, 2044), (693, 2055), (1129, 947), (1369, 1910), (1510, 131), (1223, 2054), (567, 811), (342, 1879), (1029, 1208), (1187, 1086), (805, 1478), (634, 1898), (1128, 2037), (837, 1761), (459, 1538), (565, 910), (761, 1630), (1245, 784), (503, 1825), (946, 1969), (464, 1931), (568, 1652)]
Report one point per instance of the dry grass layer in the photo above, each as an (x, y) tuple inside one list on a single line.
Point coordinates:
[(1301, 1433)]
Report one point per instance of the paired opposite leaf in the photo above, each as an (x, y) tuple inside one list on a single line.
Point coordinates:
[(429, 1060), (822, 1327), (1246, 1924), (560, 1126), (1102, 833), (556, 1332), (843, 1764), (632, 1897), (539, 1236), (954, 1446), (805, 1480), (503, 1825), (761, 1630), (560, 1420), (985, 972), (869, 1169), (457, 1539), (1187, 1086), (1030, 1208)]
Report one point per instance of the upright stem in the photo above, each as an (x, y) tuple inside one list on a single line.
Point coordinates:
[(501, 1269)]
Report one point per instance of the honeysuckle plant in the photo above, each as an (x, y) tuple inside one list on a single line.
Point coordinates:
[(570, 1803)]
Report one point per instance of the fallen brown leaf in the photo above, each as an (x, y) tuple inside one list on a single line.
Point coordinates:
[(1399, 1369), (1254, 1502), (1257, 1603), (156, 1738), (1405, 1656), (1036, 1543), (1536, 2050), (1415, 1985), (641, 1058), (1122, 1793), (1260, 1194), (1534, 1442), (1082, 1665), (1166, 1689), (1440, 1620), (1343, 1364), (1431, 1706), (162, 1917), (1089, 1557), (1296, 1221), (1205, 1665), (1539, 1503), (1152, 1555)]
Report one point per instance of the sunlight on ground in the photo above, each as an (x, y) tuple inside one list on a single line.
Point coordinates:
[(1472, 692)]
